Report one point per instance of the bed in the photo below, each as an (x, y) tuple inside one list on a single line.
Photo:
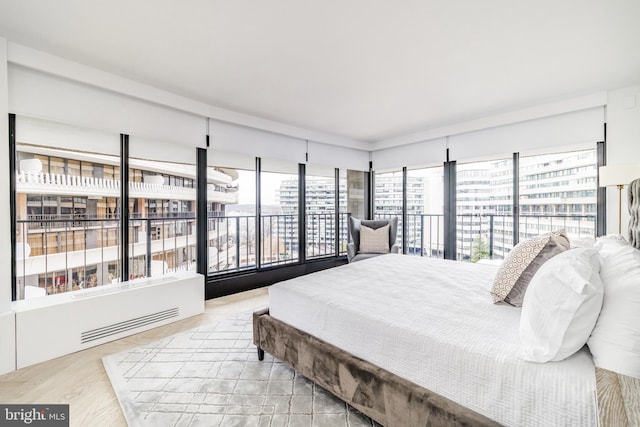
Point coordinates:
[(417, 341)]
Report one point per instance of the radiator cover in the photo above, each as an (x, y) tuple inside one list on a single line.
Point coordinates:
[(52, 326)]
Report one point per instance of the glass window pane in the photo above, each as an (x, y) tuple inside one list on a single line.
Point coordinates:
[(279, 213), (67, 222), (231, 211), (162, 223), (320, 208), (352, 202), (559, 191), (424, 217), (484, 225), (388, 198)]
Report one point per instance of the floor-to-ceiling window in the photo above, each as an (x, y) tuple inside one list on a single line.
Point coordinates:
[(352, 185), (558, 190), (484, 223), (231, 215), (320, 211), (388, 198), (424, 211), (162, 208), (279, 195), (67, 208)]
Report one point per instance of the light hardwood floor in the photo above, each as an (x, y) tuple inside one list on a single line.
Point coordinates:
[(79, 379)]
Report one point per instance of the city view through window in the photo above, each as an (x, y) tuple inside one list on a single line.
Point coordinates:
[(68, 212), (557, 191)]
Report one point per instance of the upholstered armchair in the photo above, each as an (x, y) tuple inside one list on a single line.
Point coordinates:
[(354, 252)]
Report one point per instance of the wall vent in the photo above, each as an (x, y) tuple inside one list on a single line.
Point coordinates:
[(103, 314), (127, 325)]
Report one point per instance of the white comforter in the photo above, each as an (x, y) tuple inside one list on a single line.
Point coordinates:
[(432, 322)]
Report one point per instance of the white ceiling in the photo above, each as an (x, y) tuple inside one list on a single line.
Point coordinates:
[(365, 69)]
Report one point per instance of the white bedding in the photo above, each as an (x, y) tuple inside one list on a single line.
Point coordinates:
[(432, 322)]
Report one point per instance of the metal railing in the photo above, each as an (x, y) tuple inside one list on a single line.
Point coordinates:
[(321, 235), (65, 253), (484, 236), (60, 254), (232, 240)]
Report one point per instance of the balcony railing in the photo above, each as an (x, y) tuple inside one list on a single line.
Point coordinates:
[(484, 235), (63, 253), (62, 184), (321, 235), (232, 240)]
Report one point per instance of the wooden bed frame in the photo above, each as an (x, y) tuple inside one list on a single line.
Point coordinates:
[(394, 401)]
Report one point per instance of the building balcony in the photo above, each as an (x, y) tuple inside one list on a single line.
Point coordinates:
[(69, 185)]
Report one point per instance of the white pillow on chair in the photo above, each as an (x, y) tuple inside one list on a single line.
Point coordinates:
[(374, 241)]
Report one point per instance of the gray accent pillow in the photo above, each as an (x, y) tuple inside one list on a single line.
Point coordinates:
[(554, 246), (522, 262)]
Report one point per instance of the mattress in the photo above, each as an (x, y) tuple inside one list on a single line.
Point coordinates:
[(433, 323)]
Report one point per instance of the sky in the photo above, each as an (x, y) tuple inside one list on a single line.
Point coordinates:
[(270, 184)]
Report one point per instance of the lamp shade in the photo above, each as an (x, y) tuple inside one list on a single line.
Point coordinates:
[(612, 175)]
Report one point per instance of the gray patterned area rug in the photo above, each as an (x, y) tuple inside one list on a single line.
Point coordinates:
[(210, 376)]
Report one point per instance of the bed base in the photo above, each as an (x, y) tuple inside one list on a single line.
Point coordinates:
[(377, 393)]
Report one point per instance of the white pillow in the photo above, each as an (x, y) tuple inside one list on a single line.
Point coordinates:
[(561, 306), (374, 241), (582, 242), (615, 341), (610, 243)]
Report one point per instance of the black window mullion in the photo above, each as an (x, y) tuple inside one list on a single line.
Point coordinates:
[(258, 239), (601, 214), (370, 182), (337, 213), (449, 220), (202, 220), (404, 210), (12, 204), (124, 207), (302, 210), (516, 198)]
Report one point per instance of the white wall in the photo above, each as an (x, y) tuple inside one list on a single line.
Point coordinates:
[(7, 331), (623, 146), (26, 57)]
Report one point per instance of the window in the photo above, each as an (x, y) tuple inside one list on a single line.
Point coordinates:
[(424, 212), (352, 202), (67, 208), (320, 210), (279, 243), (231, 211), (162, 222), (557, 191), (388, 197), (484, 223)]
